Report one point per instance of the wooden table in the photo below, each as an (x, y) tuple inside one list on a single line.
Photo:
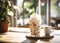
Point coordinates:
[(56, 23), (55, 18), (18, 35)]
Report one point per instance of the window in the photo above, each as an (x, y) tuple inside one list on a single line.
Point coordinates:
[(23, 10), (26, 9), (55, 13)]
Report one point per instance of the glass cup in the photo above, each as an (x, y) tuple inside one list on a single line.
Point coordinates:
[(47, 30)]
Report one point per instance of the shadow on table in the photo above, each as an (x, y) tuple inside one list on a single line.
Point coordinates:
[(29, 41), (8, 42), (33, 40)]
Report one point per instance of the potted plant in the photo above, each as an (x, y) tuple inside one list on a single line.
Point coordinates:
[(5, 8)]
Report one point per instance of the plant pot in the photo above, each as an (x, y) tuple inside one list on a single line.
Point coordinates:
[(3, 27)]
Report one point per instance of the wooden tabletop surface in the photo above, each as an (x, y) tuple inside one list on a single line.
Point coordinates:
[(18, 35)]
